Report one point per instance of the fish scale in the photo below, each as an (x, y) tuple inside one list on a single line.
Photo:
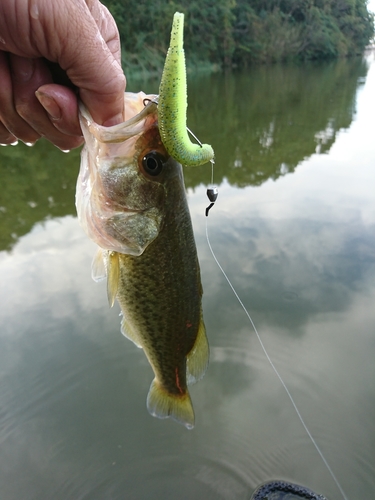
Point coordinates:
[(166, 290)]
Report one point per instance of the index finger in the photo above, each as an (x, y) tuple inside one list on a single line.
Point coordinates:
[(88, 49)]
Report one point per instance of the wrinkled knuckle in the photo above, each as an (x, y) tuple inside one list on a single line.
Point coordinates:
[(116, 84), (121, 83), (22, 108)]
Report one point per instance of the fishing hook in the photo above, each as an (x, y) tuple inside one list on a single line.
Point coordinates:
[(156, 101), (195, 137), (147, 101)]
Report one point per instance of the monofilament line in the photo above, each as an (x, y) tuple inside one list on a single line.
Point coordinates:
[(275, 370), (212, 171)]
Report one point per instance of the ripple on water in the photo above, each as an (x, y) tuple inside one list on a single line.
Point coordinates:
[(183, 477)]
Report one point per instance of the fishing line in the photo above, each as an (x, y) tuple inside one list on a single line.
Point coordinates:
[(212, 194)]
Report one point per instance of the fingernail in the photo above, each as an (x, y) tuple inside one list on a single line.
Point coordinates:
[(115, 120), (49, 104)]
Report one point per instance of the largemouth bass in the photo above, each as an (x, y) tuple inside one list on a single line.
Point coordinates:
[(131, 201)]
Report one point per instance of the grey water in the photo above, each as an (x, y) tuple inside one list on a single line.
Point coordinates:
[(294, 229)]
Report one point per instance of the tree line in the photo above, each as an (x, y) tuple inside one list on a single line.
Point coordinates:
[(237, 33)]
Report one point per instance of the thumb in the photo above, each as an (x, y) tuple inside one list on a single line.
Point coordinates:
[(87, 47), (104, 98)]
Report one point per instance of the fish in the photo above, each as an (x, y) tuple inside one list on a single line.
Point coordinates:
[(131, 201)]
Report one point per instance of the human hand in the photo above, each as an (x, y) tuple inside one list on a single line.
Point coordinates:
[(80, 39)]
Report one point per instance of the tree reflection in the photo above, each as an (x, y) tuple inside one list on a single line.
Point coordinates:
[(262, 123), (36, 183)]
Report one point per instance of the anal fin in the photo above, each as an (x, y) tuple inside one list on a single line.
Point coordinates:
[(197, 358), (129, 332)]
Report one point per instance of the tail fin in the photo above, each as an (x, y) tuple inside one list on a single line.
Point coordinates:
[(162, 404)]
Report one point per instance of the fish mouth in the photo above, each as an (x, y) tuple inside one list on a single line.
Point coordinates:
[(142, 109)]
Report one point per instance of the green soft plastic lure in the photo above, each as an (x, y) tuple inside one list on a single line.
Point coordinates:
[(172, 104)]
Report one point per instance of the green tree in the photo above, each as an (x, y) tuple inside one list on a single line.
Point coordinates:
[(241, 32)]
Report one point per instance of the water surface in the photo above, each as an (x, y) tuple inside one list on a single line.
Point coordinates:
[(293, 228)]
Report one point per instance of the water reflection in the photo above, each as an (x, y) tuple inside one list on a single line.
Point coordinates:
[(299, 250), (37, 183), (262, 124)]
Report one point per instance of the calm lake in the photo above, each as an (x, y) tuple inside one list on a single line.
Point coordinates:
[(293, 228)]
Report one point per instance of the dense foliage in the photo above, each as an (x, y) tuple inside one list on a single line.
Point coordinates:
[(241, 32)]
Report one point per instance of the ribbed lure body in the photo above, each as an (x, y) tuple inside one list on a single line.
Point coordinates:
[(173, 104)]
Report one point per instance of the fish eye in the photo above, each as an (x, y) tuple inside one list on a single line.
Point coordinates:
[(153, 163)]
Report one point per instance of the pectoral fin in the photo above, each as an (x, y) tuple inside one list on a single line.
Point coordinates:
[(162, 404), (124, 229), (197, 359), (113, 276), (98, 272)]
